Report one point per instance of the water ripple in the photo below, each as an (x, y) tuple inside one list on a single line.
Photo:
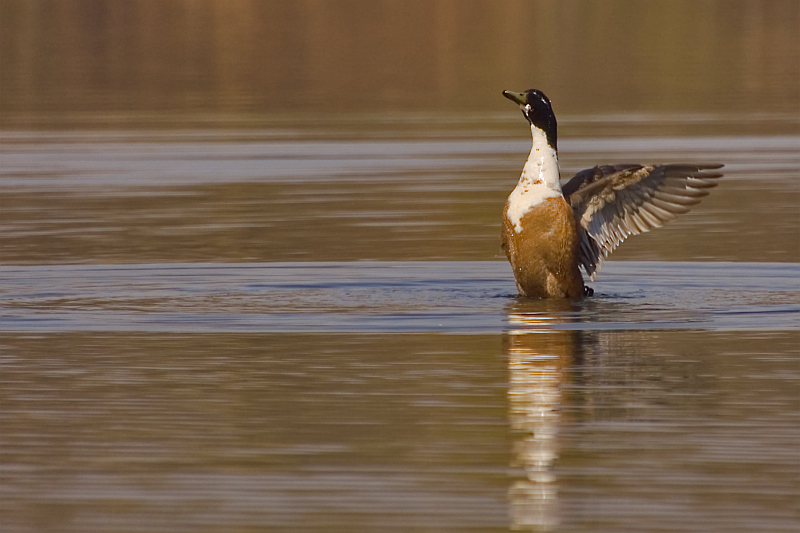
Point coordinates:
[(391, 297)]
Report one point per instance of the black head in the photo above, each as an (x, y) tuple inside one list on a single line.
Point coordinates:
[(537, 109)]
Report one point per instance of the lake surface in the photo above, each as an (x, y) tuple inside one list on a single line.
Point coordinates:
[(358, 396), (250, 275), (226, 331)]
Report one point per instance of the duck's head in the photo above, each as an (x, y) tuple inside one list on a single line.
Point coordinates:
[(537, 109)]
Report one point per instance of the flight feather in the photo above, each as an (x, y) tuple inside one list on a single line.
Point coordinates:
[(612, 202)]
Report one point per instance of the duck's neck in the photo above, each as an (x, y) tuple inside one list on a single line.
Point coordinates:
[(539, 180), (541, 168)]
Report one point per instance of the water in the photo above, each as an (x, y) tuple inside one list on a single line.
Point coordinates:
[(250, 276), (354, 357), (391, 297), (151, 197), (394, 395)]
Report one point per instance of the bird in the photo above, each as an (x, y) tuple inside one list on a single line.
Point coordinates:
[(550, 232)]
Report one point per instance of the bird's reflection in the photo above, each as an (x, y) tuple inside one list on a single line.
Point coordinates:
[(539, 359)]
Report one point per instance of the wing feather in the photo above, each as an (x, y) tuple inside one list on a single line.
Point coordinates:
[(612, 202)]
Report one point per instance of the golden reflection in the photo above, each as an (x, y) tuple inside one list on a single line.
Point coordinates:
[(538, 361)]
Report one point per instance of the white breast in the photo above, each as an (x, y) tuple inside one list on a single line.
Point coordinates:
[(539, 180)]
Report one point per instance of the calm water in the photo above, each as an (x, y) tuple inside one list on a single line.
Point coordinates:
[(250, 276), (223, 334)]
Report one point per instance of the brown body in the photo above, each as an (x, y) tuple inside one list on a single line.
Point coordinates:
[(544, 255)]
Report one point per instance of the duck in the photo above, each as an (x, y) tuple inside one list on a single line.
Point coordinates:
[(550, 232)]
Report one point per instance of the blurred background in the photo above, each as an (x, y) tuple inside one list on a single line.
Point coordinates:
[(232, 62)]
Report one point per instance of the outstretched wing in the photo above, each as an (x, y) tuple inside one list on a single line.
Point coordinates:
[(611, 202)]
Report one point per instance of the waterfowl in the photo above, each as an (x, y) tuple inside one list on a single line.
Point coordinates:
[(550, 231)]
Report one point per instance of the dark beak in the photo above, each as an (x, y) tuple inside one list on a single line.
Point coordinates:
[(517, 98)]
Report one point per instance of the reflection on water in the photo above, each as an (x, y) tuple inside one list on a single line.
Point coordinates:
[(605, 422), (363, 396), (638, 430), (538, 361)]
